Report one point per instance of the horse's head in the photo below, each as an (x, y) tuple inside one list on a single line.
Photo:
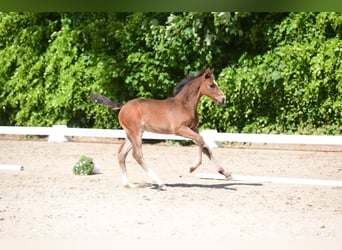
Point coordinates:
[(210, 88)]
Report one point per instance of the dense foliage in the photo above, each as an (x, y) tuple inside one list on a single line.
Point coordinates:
[(281, 72)]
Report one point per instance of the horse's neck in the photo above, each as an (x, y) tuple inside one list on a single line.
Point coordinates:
[(190, 96)]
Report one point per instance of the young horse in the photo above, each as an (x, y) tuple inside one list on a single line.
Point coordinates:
[(176, 115)]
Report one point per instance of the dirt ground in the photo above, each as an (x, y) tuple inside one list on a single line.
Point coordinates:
[(46, 200)]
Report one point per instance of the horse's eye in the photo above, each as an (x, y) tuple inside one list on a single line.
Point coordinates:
[(212, 85)]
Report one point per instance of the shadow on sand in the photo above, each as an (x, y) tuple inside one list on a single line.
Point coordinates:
[(229, 186)]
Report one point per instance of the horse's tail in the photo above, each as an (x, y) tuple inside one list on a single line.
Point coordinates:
[(105, 101)]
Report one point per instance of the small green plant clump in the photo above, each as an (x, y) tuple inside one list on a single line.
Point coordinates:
[(84, 166)]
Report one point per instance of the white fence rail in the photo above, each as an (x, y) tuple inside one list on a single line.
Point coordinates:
[(61, 133)]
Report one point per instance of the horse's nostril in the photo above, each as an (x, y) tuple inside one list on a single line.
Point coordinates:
[(222, 101)]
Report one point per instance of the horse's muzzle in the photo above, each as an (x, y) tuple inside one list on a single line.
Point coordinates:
[(221, 100)]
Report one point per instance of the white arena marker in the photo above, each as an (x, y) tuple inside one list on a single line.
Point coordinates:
[(273, 180), (11, 167), (96, 169)]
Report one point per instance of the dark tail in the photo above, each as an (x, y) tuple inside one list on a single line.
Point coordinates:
[(105, 101)]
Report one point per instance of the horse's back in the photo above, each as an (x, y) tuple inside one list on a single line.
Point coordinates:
[(152, 114)]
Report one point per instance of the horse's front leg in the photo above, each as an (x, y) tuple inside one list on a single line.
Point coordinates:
[(198, 161), (207, 151), (196, 138), (203, 147)]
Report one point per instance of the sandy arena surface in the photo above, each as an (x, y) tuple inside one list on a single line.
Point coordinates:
[(46, 200)]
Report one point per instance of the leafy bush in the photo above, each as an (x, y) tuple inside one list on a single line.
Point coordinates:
[(281, 72), (294, 87), (84, 166)]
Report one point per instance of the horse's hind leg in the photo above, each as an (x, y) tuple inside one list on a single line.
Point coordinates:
[(124, 149), (138, 156)]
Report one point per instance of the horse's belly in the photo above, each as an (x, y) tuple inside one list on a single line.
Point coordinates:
[(157, 127)]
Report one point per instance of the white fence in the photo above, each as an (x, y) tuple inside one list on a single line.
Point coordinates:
[(61, 133)]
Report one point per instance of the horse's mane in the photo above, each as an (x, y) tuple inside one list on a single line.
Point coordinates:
[(185, 82)]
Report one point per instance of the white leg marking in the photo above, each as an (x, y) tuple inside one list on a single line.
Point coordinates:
[(154, 177), (125, 179)]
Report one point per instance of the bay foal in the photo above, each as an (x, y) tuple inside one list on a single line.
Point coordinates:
[(175, 115)]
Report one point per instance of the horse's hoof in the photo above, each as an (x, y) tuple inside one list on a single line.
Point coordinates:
[(228, 176), (161, 187), (130, 185)]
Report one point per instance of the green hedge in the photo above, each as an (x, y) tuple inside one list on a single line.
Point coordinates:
[(295, 87), (281, 72)]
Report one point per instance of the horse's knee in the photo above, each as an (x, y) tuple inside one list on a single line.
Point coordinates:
[(200, 142)]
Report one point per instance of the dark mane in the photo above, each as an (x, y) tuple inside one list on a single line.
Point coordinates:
[(185, 82)]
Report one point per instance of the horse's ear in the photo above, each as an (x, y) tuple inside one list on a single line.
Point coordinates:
[(208, 72)]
